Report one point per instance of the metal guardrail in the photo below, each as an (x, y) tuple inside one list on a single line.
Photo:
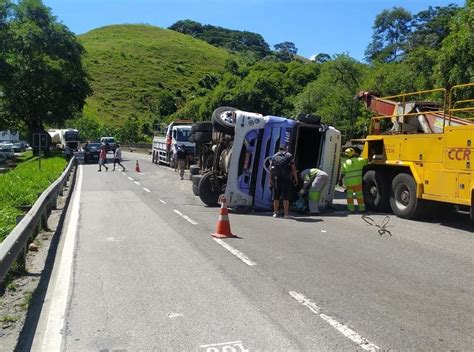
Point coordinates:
[(15, 244)]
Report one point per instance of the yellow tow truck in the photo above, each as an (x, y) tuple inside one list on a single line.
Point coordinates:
[(420, 152)]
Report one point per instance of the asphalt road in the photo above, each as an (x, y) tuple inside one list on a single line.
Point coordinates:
[(137, 269)]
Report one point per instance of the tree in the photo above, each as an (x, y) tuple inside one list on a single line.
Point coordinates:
[(321, 58), (430, 27), (391, 30), (456, 56), (285, 51), (45, 82)]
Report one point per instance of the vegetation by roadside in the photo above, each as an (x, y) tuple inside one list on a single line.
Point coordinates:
[(19, 188)]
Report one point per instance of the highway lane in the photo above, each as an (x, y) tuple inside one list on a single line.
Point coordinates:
[(321, 283)]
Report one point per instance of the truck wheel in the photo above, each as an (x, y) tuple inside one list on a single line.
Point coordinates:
[(202, 137), (196, 180), (153, 160), (194, 170), (376, 191), (205, 126), (209, 190), (309, 119), (403, 198), (223, 120)]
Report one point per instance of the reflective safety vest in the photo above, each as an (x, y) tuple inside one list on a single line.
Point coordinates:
[(352, 171), (310, 174)]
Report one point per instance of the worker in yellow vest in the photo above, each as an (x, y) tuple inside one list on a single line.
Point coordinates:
[(352, 174), (314, 181)]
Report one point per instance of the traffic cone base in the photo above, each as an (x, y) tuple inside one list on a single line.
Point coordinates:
[(223, 224), (137, 167)]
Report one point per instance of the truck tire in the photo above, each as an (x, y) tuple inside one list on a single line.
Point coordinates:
[(202, 137), (205, 126), (223, 120), (376, 191), (196, 179), (153, 157), (309, 119), (209, 190), (194, 170), (403, 200)]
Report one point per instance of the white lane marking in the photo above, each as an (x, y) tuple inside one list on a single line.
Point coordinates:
[(123, 173), (220, 344), (131, 179), (343, 329), (162, 201), (323, 231), (52, 336), (137, 183), (174, 315), (146, 189), (235, 252), (185, 217)]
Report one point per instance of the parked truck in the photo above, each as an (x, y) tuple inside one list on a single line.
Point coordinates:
[(62, 138), (420, 152), (235, 160), (167, 139)]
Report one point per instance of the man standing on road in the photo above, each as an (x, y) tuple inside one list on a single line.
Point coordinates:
[(103, 158), (118, 157), (314, 180), (282, 171), (352, 174), (181, 157)]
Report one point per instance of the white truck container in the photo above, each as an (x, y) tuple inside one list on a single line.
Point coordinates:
[(167, 140)]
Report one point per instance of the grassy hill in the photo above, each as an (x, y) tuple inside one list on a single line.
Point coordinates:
[(137, 69)]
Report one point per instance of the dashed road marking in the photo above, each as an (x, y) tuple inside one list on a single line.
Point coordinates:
[(323, 231), (236, 252), (146, 189), (185, 217), (343, 329), (226, 346), (137, 183), (162, 201), (131, 179)]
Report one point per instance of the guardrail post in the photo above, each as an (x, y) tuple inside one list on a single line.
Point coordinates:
[(21, 258)]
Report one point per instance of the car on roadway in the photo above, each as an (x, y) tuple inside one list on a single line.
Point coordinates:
[(7, 150), (110, 143), (91, 152)]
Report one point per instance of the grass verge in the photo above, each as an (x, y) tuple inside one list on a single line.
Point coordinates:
[(20, 187)]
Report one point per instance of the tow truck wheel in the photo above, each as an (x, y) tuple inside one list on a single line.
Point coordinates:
[(209, 190), (376, 193), (403, 198)]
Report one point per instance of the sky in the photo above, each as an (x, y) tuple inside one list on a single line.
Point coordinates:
[(314, 26)]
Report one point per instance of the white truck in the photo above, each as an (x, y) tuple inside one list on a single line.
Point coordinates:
[(167, 139), (62, 138), (236, 158)]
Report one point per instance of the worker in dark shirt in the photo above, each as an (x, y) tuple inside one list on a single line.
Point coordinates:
[(182, 156)]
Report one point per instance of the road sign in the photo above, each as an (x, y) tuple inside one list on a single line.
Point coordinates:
[(40, 140)]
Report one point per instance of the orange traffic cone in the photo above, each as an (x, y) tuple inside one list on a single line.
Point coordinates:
[(223, 224), (137, 167)]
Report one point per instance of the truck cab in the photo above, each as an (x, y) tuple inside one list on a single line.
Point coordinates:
[(165, 145), (256, 141)]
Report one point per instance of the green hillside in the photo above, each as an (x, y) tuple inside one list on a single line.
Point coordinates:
[(144, 71)]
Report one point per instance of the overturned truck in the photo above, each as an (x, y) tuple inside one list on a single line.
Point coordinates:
[(236, 147)]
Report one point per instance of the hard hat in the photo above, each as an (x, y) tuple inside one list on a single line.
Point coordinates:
[(349, 152)]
